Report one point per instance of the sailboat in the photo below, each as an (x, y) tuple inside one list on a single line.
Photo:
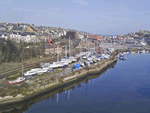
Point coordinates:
[(19, 79)]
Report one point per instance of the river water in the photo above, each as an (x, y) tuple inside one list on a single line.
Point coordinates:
[(125, 87)]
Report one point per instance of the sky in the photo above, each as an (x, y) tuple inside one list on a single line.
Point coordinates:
[(106, 17)]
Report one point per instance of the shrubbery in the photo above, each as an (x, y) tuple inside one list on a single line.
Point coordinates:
[(14, 92), (25, 85), (11, 77), (2, 94), (24, 91)]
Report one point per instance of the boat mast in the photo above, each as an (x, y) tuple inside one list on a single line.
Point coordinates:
[(66, 52), (22, 67), (80, 48), (69, 48), (57, 54), (88, 44), (22, 63)]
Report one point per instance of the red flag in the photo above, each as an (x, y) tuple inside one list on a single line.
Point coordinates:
[(49, 40)]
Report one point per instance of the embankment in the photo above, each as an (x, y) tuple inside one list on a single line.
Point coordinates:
[(80, 74)]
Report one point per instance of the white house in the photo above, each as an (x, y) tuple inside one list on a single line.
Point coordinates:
[(60, 34), (25, 37), (4, 36), (64, 32), (15, 37), (81, 37), (33, 38), (114, 36)]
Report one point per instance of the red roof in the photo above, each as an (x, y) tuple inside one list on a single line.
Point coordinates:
[(97, 38), (120, 39)]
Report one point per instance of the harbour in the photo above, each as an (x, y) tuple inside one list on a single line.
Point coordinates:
[(116, 89)]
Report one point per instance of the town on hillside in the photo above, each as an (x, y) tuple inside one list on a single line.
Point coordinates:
[(36, 57), (32, 40)]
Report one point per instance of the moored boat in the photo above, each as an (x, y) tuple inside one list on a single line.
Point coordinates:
[(30, 73), (132, 52), (17, 81)]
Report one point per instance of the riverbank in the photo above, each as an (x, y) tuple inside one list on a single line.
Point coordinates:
[(80, 74)]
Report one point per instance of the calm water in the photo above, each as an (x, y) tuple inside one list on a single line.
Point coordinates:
[(121, 89)]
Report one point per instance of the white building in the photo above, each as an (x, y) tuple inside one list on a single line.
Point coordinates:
[(114, 36), (33, 38), (81, 37), (15, 37), (4, 36), (64, 32), (25, 37)]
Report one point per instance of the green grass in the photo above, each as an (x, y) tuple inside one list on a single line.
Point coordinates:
[(9, 66)]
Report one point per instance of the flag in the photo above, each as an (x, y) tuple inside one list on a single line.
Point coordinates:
[(49, 40)]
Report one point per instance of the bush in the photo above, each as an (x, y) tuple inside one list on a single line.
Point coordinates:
[(25, 85), (3, 94), (24, 89), (11, 77), (6, 89), (1, 89), (24, 92), (31, 89), (14, 92)]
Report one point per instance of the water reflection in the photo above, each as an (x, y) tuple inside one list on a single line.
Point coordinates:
[(144, 90), (24, 106)]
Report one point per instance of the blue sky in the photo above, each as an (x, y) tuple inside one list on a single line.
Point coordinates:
[(107, 17)]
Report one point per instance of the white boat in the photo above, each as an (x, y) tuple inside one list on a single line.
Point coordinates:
[(61, 63), (106, 56), (41, 71), (17, 81), (111, 50), (73, 59), (98, 59), (66, 60), (142, 43), (84, 57), (87, 63), (30, 73), (143, 51), (56, 65), (82, 64)]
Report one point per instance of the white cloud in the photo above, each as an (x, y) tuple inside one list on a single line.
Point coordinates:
[(81, 2)]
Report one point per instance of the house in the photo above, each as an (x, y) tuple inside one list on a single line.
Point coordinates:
[(81, 36), (33, 37), (3, 28), (97, 38), (4, 36), (14, 36), (25, 37), (58, 48), (17, 29), (51, 49)]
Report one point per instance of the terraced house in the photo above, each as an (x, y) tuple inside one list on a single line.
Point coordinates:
[(24, 37), (53, 49)]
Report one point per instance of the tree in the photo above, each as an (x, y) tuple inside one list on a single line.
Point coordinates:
[(3, 94), (24, 91), (14, 92)]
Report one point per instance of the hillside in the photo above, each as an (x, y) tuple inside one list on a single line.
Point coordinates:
[(144, 33)]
